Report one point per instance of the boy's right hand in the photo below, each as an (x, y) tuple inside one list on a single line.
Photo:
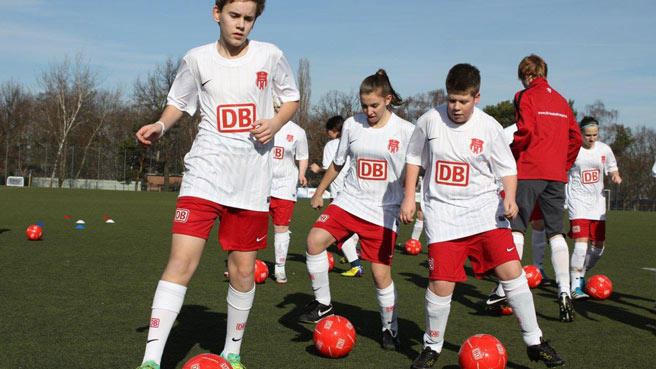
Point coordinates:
[(149, 134), (315, 168), (317, 201), (407, 212)]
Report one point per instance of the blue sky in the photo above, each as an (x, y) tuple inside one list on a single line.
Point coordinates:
[(602, 50)]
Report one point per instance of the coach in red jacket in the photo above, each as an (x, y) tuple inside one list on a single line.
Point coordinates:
[(545, 146)]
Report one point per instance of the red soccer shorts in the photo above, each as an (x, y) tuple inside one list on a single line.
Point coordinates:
[(594, 230), (239, 229), (377, 242), (485, 250), (281, 211)]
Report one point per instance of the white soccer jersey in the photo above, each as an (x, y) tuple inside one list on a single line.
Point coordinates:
[(653, 169), (373, 188), (462, 162), (290, 144), (226, 164), (329, 152), (509, 133), (585, 187)]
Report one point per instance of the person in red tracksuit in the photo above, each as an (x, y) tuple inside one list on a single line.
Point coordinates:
[(545, 146)]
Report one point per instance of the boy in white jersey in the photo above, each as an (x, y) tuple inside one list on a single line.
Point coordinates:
[(228, 170), (463, 151), (349, 247), (289, 143), (586, 202), (376, 142)]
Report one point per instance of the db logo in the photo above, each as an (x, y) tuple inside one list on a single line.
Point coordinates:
[(375, 170), (278, 152), (241, 326), (476, 353), (235, 117), (451, 173), (591, 176), (181, 215)]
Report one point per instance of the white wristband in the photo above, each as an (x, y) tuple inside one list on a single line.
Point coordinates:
[(163, 127)]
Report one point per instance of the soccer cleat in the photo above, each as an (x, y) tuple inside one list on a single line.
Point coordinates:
[(544, 352), (354, 272), (566, 308), (546, 282), (150, 364), (426, 359), (281, 277), (495, 300), (315, 311), (578, 294), (389, 341), (235, 361)]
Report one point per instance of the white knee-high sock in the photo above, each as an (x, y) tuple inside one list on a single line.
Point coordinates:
[(317, 266), (560, 261), (437, 314), (521, 301), (281, 245), (239, 305), (349, 248), (166, 307), (417, 229), (577, 262), (591, 258), (387, 303), (539, 243)]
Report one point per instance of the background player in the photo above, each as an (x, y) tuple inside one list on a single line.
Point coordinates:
[(586, 202), (376, 141), (349, 247), (463, 151), (289, 143), (228, 170), (545, 146)]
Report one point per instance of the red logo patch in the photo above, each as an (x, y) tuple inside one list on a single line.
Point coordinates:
[(235, 117), (389, 309), (241, 326), (261, 81), (323, 218), (375, 170), (290, 138), (154, 323), (393, 146), (603, 159), (476, 145), (434, 333), (451, 173), (590, 176), (278, 152), (181, 215)]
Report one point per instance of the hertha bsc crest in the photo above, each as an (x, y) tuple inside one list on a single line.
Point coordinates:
[(476, 146), (393, 146), (290, 138), (603, 159), (261, 81)]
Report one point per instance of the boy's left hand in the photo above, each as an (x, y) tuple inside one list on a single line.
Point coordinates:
[(264, 130), (510, 209)]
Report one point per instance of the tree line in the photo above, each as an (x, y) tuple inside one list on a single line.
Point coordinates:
[(73, 128)]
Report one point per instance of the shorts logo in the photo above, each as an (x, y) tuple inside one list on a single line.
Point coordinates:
[(278, 152), (431, 264), (374, 170), (393, 146), (590, 176), (434, 333), (323, 218), (154, 323), (181, 215), (241, 326), (261, 81), (234, 118), (290, 138), (603, 159), (476, 145), (576, 229), (451, 173)]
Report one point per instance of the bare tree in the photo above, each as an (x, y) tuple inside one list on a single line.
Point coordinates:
[(418, 104), (302, 117), (599, 111), (67, 88), (14, 115)]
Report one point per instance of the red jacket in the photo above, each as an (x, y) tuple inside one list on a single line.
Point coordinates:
[(548, 137)]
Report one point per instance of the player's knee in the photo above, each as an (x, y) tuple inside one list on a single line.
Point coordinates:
[(316, 241)]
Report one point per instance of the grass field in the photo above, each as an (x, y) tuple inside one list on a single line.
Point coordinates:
[(81, 298)]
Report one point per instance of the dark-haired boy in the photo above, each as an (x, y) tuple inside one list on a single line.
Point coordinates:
[(463, 151)]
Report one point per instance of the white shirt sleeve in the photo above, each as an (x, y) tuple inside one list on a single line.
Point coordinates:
[(611, 162), (184, 91), (417, 153), (284, 85), (502, 161), (343, 148), (302, 147), (653, 169), (328, 156)]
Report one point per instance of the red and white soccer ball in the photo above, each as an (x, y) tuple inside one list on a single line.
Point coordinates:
[(599, 287), (533, 275), (334, 336), (207, 361), (503, 310), (34, 232), (482, 351), (413, 247), (331, 261), (261, 271)]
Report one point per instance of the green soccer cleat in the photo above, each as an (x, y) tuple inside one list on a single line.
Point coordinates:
[(354, 272), (150, 364), (235, 361)]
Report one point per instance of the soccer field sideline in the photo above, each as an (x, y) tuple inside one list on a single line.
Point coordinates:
[(80, 298)]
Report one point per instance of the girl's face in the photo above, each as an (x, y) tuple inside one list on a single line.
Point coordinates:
[(374, 105), (590, 135)]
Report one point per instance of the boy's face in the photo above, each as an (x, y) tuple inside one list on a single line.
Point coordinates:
[(590, 135), (236, 20), (460, 106), (333, 133)]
